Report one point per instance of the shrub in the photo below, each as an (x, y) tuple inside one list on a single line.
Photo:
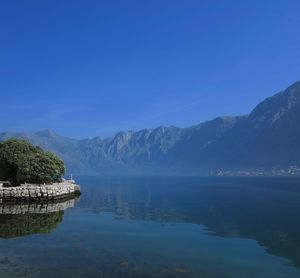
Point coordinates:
[(21, 162)]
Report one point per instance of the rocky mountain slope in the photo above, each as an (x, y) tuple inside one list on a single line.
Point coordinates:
[(268, 137)]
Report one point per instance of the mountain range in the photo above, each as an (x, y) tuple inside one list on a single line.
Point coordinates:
[(268, 138)]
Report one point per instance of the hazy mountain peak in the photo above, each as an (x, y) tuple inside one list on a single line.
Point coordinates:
[(46, 133), (124, 135), (292, 94), (8, 134), (295, 85), (274, 108)]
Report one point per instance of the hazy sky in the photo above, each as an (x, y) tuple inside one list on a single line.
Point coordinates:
[(87, 68)]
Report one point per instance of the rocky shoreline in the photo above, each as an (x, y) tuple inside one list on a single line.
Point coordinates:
[(39, 192)]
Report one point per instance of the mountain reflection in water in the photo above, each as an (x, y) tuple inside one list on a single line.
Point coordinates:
[(264, 209)]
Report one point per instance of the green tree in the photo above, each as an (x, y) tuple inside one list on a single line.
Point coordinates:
[(41, 167), (21, 162), (11, 152)]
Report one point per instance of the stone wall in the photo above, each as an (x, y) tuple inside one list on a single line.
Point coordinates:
[(36, 192)]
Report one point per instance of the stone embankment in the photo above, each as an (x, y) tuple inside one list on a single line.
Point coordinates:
[(34, 192)]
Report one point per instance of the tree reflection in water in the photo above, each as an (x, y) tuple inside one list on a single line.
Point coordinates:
[(23, 219)]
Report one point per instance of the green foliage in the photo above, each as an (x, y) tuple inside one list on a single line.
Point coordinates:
[(21, 162), (17, 225), (11, 152)]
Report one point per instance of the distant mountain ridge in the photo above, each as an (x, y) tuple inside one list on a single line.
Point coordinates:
[(266, 138)]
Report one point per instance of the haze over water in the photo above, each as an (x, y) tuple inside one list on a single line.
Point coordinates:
[(160, 227)]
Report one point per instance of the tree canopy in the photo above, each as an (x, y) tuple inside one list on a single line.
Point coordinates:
[(21, 162)]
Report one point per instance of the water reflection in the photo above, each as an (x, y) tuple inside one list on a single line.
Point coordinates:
[(158, 227), (22, 219), (267, 210)]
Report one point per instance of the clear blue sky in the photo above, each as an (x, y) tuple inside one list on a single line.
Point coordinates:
[(88, 68)]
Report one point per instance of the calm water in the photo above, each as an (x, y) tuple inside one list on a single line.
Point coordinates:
[(158, 227)]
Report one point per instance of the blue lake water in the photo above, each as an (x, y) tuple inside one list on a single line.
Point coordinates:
[(158, 227)]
